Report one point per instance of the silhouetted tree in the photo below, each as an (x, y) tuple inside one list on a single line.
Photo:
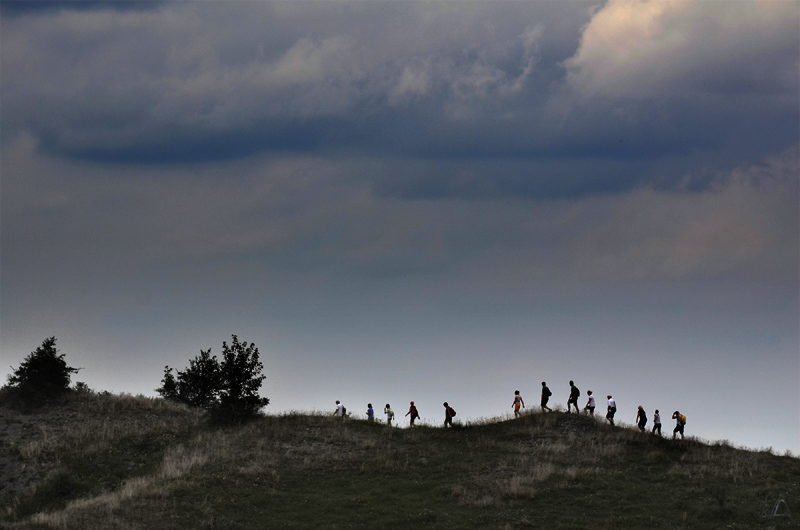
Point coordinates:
[(169, 386), (43, 374), (240, 380), (229, 389)]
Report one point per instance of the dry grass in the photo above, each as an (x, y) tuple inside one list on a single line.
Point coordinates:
[(487, 467)]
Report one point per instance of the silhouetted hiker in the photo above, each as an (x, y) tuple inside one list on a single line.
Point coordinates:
[(370, 412), (641, 418), (574, 394), (339, 410), (546, 397), (657, 423), (612, 409), (412, 410), (448, 415), (389, 414), (681, 422), (590, 405), (516, 404)]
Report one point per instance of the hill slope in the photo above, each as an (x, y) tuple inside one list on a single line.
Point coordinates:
[(131, 462)]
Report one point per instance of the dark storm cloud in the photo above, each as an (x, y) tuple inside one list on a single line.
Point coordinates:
[(456, 90), (10, 8)]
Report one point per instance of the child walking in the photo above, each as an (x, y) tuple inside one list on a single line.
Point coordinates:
[(516, 403), (412, 410)]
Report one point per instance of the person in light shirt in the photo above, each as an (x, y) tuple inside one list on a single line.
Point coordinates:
[(657, 422), (590, 405), (612, 409)]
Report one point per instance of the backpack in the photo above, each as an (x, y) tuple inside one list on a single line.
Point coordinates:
[(547, 392), (390, 413), (344, 411), (575, 392), (683, 419), (452, 412)]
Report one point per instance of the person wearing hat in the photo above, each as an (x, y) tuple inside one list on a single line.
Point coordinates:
[(412, 410), (641, 418)]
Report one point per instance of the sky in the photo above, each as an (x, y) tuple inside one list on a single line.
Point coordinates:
[(429, 201)]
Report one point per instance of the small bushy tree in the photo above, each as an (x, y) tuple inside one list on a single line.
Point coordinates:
[(43, 374), (228, 388), (240, 380)]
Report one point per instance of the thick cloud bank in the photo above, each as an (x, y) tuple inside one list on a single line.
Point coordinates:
[(570, 101)]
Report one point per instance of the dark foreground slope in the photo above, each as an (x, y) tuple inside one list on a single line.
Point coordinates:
[(120, 462)]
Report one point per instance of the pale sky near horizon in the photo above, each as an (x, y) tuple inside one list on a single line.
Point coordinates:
[(429, 201)]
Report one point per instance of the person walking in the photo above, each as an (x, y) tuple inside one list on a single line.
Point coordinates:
[(612, 409), (679, 425), (339, 409), (412, 411), (518, 401), (370, 412), (574, 394), (657, 423), (641, 418), (546, 397), (448, 415), (389, 414), (590, 405)]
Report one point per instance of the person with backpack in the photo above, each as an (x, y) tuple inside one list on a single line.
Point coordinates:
[(679, 425), (340, 410), (449, 412), (518, 401), (574, 394), (590, 405), (657, 423), (641, 418), (612, 409), (412, 411), (546, 397), (389, 414)]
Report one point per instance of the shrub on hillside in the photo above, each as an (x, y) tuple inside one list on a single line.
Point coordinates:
[(43, 374), (240, 380), (228, 388)]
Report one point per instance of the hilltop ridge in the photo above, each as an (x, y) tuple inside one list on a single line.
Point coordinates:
[(107, 461)]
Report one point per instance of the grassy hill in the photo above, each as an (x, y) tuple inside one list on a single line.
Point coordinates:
[(124, 462)]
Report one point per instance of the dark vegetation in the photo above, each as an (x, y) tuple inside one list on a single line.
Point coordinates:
[(42, 375), (227, 388)]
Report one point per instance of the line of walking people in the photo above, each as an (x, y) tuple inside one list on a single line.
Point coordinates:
[(611, 411), (449, 413), (519, 403)]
